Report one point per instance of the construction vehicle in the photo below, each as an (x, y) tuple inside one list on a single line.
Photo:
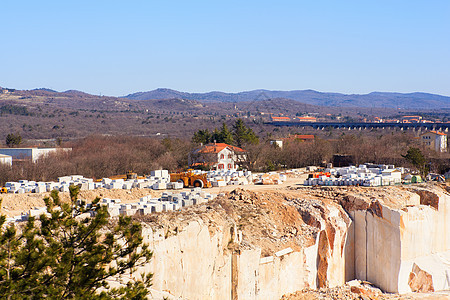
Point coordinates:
[(128, 176), (4, 190), (318, 174), (189, 178)]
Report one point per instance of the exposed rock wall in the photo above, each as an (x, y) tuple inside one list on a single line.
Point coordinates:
[(196, 262), (191, 264), (251, 246), (391, 244)]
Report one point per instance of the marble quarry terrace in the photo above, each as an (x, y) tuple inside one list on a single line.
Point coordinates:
[(250, 241)]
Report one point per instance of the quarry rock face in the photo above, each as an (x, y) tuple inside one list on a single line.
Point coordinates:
[(250, 245), (390, 241)]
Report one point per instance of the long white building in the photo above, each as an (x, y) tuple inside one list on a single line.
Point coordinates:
[(29, 153)]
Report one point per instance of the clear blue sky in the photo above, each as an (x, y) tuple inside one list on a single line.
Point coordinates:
[(120, 47)]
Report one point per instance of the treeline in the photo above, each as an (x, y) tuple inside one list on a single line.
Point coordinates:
[(379, 149), (14, 110), (104, 156)]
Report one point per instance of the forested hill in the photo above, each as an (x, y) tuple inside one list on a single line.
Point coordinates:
[(374, 99)]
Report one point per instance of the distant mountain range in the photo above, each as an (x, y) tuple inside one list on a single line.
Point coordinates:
[(374, 99), (408, 101)]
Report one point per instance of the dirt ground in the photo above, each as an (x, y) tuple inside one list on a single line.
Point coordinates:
[(344, 292), (15, 204)]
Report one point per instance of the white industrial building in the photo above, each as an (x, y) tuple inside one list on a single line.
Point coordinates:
[(33, 153), (6, 159)]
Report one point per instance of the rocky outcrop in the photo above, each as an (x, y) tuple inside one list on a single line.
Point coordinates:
[(237, 248), (264, 245), (420, 281), (393, 242)]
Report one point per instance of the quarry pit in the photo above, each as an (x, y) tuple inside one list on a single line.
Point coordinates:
[(296, 242)]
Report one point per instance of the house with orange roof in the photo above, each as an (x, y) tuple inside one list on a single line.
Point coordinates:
[(280, 119), (411, 119), (307, 119), (435, 140), (217, 156)]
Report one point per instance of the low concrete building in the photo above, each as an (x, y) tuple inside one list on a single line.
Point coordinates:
[(279, 143), (32, 153), (6, 159), (217, 156), (292, 138), (435, 140)]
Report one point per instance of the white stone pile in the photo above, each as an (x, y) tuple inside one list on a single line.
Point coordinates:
[(229, 177), (157, 180), (270, 178), (146, 205), (25, 186), (364, 175), (300, 171), (167, 202)]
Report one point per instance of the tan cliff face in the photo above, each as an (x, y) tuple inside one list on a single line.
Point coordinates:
[(262, 245), (265, 244)]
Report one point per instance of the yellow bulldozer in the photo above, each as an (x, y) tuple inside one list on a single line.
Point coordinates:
[(190, 179)]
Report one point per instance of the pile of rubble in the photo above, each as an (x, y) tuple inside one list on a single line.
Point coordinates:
[(354, 289), (364, 175), (270, 178)]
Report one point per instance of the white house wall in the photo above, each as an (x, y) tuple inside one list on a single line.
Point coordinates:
[(229, 158)]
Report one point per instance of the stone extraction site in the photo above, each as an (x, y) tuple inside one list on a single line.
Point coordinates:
[(295, 242)]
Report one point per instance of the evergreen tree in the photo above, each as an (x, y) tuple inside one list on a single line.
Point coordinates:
[(13, 140), (243, 134), (226, 136), (202, 136), (215, 136), (68, 254), (417, 159)]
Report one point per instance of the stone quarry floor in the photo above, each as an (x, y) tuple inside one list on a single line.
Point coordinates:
[(266, 221), (15, 204)]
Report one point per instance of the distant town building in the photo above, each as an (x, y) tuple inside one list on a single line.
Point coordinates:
[(217, 156), (378, 120), (307, 119), (280, 119), (411, 119), (294, 137), (33, 154), (435, 140), (6, 159), (279, 143)]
